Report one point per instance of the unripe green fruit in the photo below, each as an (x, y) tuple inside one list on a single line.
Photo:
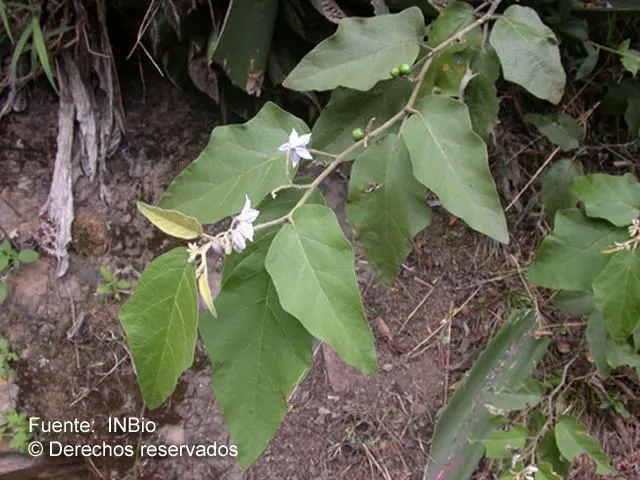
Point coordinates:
[(357, 134), (405, 69), (395, 72)]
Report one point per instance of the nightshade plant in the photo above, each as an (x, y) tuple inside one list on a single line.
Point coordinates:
[(289, 269)]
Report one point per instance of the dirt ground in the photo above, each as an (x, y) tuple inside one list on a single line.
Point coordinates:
[(73, 358)]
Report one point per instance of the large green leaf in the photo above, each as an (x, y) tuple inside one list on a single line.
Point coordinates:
[(160, 320), (571, 258), (350, 109), (621, 354), (453, 18), (555, 193), (617, 294), (529, 394), (312, 266), (597, 339), (259, 352), (504, 364), (559, 128), (614, 198), (576, 303), (572, 441), (529, 53), (386, 206), (361, 52), (449, 158), (243, 52), (239, 160), (481, 98)]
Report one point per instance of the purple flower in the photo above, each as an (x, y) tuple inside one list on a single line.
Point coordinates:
[(296, 147)]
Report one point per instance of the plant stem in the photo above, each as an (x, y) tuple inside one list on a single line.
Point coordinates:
[(407, 110)]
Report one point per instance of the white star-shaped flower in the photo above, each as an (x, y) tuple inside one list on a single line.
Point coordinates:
[(296, 147), (242, 226)]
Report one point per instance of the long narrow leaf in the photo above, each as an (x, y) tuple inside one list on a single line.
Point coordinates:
[(5, 20), (22, 41), (41, 47)]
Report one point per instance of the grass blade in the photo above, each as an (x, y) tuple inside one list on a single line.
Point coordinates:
[(41, 47), (22, 41), (5, 20)]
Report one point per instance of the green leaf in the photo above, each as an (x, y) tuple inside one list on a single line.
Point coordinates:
[(559, 128), (617, 294), (621, 354), (453, 18), (485, 60), (28, 255), (450, 159), (629, 58), (555, 193), (614, 198), (571, 258), (312, 266), (386, 206), (5, 23), (239, 160), (528, 395), (41, 48), (546, 472), (481, 98), (445, 75), (5, 247), (529, 53), (3, 292), (505, 363), (588, 63), (500, 444), (171, 222), (160, 320), (572, 441), (104, 289), (259, 352), (360, 53), (575, 303), (548, 452), (106, 274), (4, 262), (122, 284), (17, 52), (597, 339), (242, 52), (350, 109)]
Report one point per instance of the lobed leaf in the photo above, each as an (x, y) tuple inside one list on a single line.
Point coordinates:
[(481, 97), (597, 339), (239, 160), (349, 109), (360, 53), (312, 266), (559, 128), (529, 53), (614, 198), (555, 193), (572, 441), (571, 258), (160, 320), (171, 222), (386, 205), (259, 352), (616, 292), (449, 158)]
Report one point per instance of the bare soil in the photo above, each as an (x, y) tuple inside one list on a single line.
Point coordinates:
[(74, 361)]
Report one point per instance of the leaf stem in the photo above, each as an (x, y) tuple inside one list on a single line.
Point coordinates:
[(407, 110)]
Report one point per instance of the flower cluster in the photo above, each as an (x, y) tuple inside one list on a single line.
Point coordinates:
[(528, 472), (242, 226)]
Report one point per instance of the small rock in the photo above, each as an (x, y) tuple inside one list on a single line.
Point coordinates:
[(342, 377), (90, 234), (387, 367), (324, 411)]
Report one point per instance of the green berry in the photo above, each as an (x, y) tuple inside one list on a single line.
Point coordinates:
[(357, 134), (405, 69), (395, 72)]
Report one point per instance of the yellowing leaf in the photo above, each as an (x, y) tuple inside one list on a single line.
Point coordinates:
[(172, 222), (205, 292)]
